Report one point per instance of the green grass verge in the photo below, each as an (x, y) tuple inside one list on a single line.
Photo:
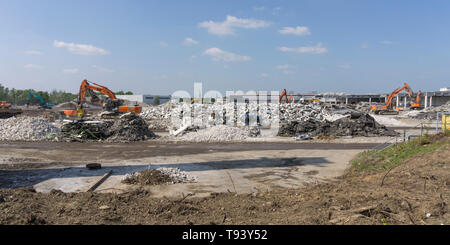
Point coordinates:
[(392, 156)]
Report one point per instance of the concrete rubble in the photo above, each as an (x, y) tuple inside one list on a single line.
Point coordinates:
[(429, 113), (169, 116), (219, 133), (27, 129), (178, 175)]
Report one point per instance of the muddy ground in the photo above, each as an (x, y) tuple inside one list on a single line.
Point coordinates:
[(416, 192)]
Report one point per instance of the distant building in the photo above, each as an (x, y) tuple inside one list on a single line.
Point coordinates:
[(145, 98), (445, 89)]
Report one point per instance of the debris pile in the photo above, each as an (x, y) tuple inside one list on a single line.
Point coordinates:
[(158, 117), (254, 132), (158, 176), (356, 125), (364, 107), (27, 129), (147, 177), (129, 127), (83, 130), (429, 113), (178, 175), (216, 134), (170, 115)]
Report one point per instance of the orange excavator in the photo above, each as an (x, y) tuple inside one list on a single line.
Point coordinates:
[(416, 104), (6, 111), (285, 95), (388, 108), (112, 105)]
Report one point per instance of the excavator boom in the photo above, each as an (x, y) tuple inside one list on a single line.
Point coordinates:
[(285, 95), (388, 107)]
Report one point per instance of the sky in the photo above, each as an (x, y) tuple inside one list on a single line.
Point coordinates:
[(158, 47)]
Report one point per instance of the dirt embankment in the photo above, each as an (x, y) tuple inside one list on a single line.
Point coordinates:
[(411, 191)]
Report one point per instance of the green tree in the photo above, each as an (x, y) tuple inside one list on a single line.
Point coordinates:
[(156, 100)]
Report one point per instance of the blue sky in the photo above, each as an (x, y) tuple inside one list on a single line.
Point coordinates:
[(157, 47)]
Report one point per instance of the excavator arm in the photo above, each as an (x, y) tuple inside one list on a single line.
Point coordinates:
[(285, 95), (86, 88), (388, 106), (416, 104)]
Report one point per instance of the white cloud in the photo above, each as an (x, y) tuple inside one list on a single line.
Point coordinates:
[(81, 49), (32, 67), (282, 67), (102, 69), (318, 49), (33, 52), (228, 26), (264, 75), (386, 42), (163, 44), (70, 70), (189, 42), (220, 55), (299, 31), (364, 45)]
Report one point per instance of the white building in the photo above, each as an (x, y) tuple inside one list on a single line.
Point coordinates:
[(145, 98)]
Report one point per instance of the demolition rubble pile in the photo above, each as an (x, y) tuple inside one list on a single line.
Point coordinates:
[(429, 113), (364, 107), (127, 128), (158, 117), (158, 176), (26, 129), (219, 133), (354, 125), (170, 116)]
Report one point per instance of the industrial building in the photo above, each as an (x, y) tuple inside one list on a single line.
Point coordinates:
[(146, 98)]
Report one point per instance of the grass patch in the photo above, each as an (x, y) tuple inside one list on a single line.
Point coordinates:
[(392, 156)]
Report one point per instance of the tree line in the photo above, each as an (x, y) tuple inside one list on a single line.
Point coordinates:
[(20, 96)]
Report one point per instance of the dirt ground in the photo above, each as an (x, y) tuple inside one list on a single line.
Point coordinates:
[(415, 192), (240, 167)]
